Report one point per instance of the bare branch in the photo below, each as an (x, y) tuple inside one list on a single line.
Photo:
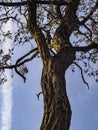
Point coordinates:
[(87, 48), (38, 94), (24, 78), (7, 18), (36, 2), (31, 51), (19, 62), (26, 60), (82, 74)]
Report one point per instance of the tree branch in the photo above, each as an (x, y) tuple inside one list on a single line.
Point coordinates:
[(86, 48), (71, 9), (10, 4), (37, 32), (26, 60), (24, 78), (31, 51), (81, 74), (74, 6), (38, 94), (19, 63), (11, 17)]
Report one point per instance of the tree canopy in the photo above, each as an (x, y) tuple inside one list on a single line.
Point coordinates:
[(48, 16)]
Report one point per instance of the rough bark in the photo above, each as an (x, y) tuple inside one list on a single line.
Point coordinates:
[(57, 110)]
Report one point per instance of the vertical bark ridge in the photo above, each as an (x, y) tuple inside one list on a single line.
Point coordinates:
[(57, 110)]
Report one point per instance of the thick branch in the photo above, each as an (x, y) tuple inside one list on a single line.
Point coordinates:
[(74, 6), (71, 9), (86, 48), (41, 43), (68, 25), (37, 2), (37, 33)]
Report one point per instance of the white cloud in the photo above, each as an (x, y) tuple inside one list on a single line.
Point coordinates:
[(6, 110)]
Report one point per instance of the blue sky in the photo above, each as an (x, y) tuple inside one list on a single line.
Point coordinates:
[(26, 103), (84, 104)]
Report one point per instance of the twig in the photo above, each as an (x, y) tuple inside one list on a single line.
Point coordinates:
[(38, 94), (24, 78)]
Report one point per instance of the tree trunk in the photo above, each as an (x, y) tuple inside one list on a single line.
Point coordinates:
[(57, 110)]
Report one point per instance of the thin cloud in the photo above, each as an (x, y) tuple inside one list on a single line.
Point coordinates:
[(6, 111), (7, 103)]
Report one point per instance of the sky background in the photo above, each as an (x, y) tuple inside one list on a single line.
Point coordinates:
[(27, 110)]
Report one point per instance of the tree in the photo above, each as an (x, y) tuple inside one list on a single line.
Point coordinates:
[(65, 34)]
